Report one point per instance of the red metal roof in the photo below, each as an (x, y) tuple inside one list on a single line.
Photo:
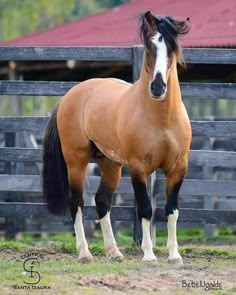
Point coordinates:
[(213, 25)]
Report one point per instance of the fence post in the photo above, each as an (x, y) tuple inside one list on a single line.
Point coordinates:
[(154, 204), (209, 201), (13, 139), (10, 224), (136, 68)]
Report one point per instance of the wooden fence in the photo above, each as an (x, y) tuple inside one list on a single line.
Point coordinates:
[(133, 56)]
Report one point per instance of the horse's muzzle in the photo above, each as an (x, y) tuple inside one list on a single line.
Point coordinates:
[(158, 87)]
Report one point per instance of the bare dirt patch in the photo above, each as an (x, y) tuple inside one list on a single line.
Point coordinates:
[(161, 278), (66, 276)]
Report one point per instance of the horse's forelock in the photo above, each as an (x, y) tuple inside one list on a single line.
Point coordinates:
[(170, 29), (144, 28)]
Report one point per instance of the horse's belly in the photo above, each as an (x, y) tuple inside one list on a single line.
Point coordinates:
[(112, 154)]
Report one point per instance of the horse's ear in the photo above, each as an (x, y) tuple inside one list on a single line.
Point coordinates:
[(183, 27), (147, 26), (151, 20)]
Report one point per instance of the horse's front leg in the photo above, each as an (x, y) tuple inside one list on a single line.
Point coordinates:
[(110, 177), (174, 181), (145, 215)]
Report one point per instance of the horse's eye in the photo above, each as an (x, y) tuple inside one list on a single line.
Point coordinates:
[(160, 39)]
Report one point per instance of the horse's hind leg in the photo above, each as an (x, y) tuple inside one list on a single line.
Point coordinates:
[(110, 178), (76, 175), (174, 180)]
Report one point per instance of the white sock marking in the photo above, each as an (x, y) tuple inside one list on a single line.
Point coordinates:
[(147, 242), (172, 244), (81, 243), (109, 239)]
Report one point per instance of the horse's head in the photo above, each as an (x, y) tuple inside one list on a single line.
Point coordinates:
[(162, 49)]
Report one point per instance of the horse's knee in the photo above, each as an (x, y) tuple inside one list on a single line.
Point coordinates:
[(145, 211), (142, 199), (103, 199), (172, 198), (76, 201)]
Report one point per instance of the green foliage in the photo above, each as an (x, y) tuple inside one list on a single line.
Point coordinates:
[(13, 245), (19, 17)]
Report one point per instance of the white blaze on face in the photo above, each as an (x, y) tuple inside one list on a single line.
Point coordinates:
[(161, 56)]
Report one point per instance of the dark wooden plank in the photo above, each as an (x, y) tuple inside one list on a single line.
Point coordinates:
[(194, 187), (20, 183), (28, 124), (49, 227), (209, 90), (214, 128), (210, 216), (192, 55), (66, 53), (199, 157), (32, 183), (35, 88), (213, 158), (137, 62), (57, 88), (204, 55), (20, 155), (39, 210), (199, 128), (209, 55)]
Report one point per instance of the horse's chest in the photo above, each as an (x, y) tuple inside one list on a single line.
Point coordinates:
[(164, 149)]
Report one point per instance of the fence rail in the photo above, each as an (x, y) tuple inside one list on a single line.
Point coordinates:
[(210, 128), (191, 55), (197, 157), (192, 187), (124, 213), (56, 88), (37, 124)]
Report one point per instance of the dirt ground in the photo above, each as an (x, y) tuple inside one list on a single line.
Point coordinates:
[(205, 274)]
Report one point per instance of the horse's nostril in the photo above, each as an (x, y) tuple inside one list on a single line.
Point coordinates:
[(157, 89), (152, 86)]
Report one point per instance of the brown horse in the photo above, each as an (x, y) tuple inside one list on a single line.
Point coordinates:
[(144, 125)]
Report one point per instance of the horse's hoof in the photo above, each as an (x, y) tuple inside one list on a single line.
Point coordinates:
[(114, 255), (85, 259), (117, 258), (176, 261), (149, 258)]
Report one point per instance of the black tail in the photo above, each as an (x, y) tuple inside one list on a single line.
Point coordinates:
[(54, 174)]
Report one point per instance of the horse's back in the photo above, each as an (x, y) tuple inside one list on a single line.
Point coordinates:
[(88, 112)]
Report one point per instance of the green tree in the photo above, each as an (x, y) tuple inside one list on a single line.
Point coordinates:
[(19, 17)]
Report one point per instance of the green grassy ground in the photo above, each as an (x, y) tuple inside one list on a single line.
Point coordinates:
[(210, 259), (66, 242)]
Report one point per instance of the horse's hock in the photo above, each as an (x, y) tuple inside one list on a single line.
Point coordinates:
[(20, 194)]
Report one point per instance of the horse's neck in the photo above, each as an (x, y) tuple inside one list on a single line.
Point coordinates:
[(166, 108)]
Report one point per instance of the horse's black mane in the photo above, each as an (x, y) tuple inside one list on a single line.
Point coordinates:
[(169, 28)]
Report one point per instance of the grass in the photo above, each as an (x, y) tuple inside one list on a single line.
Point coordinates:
[(62, 272), (189, 241)]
